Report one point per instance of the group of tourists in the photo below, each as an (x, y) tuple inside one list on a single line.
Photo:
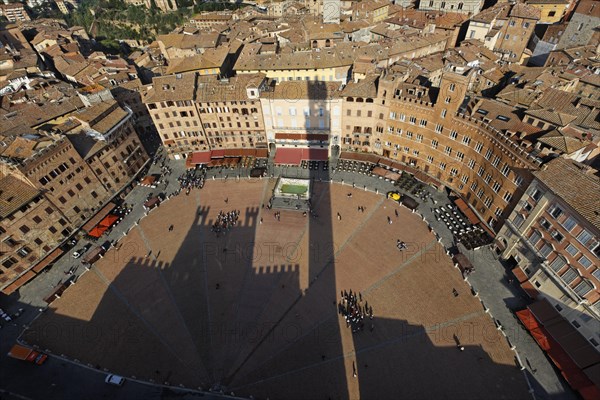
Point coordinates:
[(400, 245), (225, 221), (353, 310), (191, 180)]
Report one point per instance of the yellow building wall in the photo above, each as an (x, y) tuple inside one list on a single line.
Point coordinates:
[(546, 9)]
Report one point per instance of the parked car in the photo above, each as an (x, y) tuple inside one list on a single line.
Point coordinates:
[(396, 196), (115, 380), (80, 252)]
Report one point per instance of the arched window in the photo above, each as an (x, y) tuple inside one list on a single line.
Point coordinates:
[(558, 263), (569, 275), (314, 44), (327, 43), (369, 100), (535, 238), (350, 99), (359, 100), (584, 287)]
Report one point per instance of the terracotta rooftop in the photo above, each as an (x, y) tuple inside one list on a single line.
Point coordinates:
[(102, 117), (210, 59), (364, 88), (184, 41), (588, 7), (576, 184), (330, 58), (171, 88), (561, 108), (561, 142), (23, 147), (369, 5), (521, 10), (211, 89), (500, 10), (14, 194)]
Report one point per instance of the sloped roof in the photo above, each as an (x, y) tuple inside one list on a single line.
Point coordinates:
[(14, 194), (364, 88), (554, 117), (564, 143), (521, 10), (576, 184), (171, 87)]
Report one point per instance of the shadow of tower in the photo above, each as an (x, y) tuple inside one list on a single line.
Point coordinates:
[(252, 310)]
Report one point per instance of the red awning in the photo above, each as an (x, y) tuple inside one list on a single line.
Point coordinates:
[(315, 154), (573, 374), (288, 156), (217, 153), (541, 338), (464, 208), (379, 171), (519, 274), (527, 318), (295, 156), (97, 231), (148, 180), (47, 260), (262, 153), (98, 217), (363, 157), (23, 279), (530, 289), (590, 393), (108, 221), (200, 157)]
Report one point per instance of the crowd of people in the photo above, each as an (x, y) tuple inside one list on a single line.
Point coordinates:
[(192, 179), (400, 245), (225, 221), (353, 310)]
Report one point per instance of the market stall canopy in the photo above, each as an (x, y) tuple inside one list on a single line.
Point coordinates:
[(98, 217)]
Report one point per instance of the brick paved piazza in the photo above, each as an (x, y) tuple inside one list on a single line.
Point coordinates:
[(254, 310)]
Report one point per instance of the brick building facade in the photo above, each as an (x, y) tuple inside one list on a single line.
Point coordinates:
[(553, 237)]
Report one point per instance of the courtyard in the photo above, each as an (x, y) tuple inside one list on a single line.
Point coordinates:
[(254, 311)]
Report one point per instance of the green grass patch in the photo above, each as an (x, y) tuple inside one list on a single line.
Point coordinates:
[(293, 189)]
